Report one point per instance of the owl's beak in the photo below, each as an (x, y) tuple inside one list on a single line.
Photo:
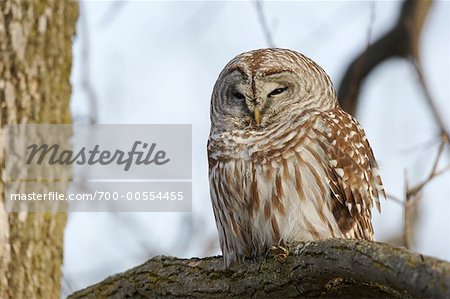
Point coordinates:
[(257, 115)]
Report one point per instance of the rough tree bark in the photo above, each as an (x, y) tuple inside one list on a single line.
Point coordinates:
[(35, 63), (327, 268)]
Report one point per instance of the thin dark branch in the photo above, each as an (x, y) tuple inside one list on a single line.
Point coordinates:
[(371, 24), (408, 220), (416, 189), (433, 173), (394, 198), (86, 66), (444, 140), (67, 286), (264, 24), (430, 100), (423, 145), (114, 9), (414, 194)]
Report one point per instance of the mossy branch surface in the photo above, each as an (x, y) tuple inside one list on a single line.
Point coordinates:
[(327, 268)]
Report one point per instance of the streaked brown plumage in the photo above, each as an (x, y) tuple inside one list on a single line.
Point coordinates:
[(286, 163)]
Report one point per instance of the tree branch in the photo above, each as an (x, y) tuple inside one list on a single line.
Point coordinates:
[(327, 268), (264, 24), (401, 41)]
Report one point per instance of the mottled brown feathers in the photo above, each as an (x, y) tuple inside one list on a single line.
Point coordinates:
[(305, 172)]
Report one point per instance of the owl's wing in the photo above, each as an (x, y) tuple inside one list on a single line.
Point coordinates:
[(352, 173)]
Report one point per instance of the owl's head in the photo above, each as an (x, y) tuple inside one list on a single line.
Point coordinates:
[(264, 87)]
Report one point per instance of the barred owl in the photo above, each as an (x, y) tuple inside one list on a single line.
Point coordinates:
[(286, 163)]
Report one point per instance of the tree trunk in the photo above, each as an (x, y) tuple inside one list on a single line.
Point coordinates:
[(327, 268), (35, 63)]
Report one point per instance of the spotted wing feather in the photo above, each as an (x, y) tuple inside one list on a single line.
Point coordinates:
[(353, 174)]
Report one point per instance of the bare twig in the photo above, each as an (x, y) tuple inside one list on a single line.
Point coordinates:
[(394, 198), (264, 24), (411, 214), (431, 102), (86, 66), (114, 9), (433, 173), (416, 189), (67, 286), (421, 145), (444, 140), (371, 23), (407, 205), (413, 195)]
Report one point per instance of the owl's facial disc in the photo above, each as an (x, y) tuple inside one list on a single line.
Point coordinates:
[(263, 95), (264, 88), (270, 96), (257, 100)]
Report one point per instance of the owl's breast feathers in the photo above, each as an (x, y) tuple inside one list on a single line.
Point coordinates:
[(311, 178)]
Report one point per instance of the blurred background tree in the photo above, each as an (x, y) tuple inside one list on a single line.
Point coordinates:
[(35, 66)]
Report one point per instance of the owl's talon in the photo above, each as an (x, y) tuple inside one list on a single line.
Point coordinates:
[(279, 253)]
